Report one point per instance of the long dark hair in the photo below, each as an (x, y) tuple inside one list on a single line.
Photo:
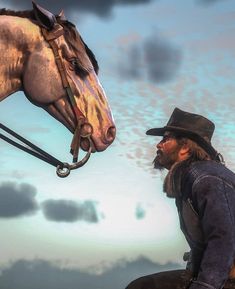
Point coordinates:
[(196, 152)]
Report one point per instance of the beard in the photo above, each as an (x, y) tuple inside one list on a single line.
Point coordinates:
[(157, 164), (164, 161)]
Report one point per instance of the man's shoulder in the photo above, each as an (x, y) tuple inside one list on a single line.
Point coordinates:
[(201, 169), (202, 175)]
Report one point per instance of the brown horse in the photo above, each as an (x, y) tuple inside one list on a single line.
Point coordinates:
[(43, 55)]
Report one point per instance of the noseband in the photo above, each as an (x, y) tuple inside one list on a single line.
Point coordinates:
[(62, 169)]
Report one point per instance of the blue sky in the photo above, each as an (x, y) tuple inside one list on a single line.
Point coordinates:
[(112, 214)]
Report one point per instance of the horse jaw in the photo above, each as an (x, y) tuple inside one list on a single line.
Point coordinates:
[(62, 111)]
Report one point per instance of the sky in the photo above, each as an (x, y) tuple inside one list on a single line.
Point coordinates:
[(109, 222)]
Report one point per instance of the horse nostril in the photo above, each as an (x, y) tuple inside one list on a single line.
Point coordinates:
[(86, 129), (110, 134)]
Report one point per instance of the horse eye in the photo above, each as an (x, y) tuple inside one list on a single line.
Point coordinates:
[(77, 68), (74, 62)]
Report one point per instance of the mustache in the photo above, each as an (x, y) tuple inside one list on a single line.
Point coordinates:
[(156, 163), (159, 152)]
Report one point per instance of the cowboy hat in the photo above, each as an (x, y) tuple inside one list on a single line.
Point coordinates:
[(194, 126)]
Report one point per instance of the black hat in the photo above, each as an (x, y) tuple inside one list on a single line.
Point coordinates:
[(193, 126)]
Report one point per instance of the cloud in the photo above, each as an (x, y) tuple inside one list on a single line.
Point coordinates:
[(17, 200), (208, 1), (162, 59), (28, 275), (70, 211), (140, 212), (154, 59), (102, 8)]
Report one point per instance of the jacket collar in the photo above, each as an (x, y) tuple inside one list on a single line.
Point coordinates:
[(173, 180)]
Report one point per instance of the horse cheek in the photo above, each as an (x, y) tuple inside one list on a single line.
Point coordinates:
[(41, 80)]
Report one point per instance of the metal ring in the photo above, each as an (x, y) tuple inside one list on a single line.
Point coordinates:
[(64, 171), (86, 135), (84, 160)]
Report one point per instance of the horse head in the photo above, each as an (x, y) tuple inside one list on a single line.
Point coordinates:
[(45, 80)]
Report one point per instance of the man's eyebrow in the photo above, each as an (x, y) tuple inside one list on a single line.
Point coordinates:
[(169, 135)]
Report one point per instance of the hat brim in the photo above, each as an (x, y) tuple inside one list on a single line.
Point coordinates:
[(206, 145), (161, 131), (156, 131)]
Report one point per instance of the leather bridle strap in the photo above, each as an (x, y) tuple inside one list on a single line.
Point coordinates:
[(50, 37), (30, 148), (62, 169)]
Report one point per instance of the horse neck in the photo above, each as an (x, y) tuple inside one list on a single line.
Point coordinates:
[(19, 36)]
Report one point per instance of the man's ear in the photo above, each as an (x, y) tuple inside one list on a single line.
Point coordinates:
[(184, 151)]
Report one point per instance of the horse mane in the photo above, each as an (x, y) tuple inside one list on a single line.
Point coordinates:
[(91, 57), (71, 36), (23, 14)]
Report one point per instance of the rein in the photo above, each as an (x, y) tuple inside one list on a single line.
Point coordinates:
[(62, 169)]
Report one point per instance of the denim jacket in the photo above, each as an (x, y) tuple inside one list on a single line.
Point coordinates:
[(206, 206)]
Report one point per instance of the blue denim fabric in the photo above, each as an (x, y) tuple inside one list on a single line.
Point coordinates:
[(210, 187)]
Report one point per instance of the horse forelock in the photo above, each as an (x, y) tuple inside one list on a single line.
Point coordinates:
[(74, 39)]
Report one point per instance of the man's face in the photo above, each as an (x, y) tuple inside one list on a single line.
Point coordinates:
[(167, 152)]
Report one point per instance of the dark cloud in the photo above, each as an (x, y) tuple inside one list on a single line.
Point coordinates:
[(28, 275), (162, 59), (208, 1), (70, 211), (17, 200), (154, 59), (131, 64), (101, 7)]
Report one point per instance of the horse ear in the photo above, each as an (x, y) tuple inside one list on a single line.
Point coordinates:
[(62, 16), (45, 18)]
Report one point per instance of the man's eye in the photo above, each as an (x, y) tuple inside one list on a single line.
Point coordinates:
[(166, 138)]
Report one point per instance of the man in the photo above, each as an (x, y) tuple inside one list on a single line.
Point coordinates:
[(204, 191)]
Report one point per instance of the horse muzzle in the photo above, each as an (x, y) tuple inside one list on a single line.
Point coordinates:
[(101, 141)]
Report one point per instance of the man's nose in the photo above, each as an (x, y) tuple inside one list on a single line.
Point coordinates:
[(159, 145)]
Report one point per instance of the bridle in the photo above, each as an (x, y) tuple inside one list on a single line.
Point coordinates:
[(62, 169), (50, 37)]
